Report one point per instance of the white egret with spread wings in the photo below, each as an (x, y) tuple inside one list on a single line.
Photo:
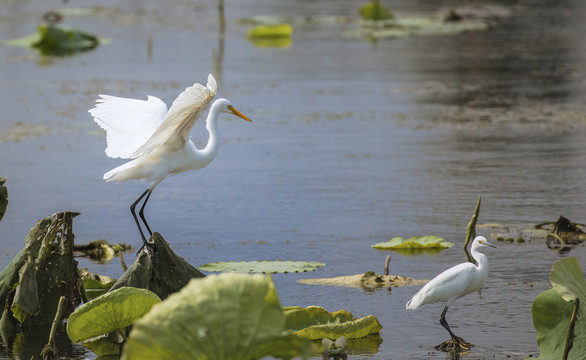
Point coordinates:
[(158, 140)]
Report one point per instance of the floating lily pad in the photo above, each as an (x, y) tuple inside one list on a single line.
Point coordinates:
[(414, 243), (56, 39), (271, 35), (374, 10), (553, 309), (369, 280), (270, 31), (227, 316), (315, 322), (110, 312), (264, 267)]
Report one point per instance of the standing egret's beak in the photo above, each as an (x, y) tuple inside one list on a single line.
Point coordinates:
[(238, 113), (489, 244)]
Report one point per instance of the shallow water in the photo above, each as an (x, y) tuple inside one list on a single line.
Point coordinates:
[(353, 142)]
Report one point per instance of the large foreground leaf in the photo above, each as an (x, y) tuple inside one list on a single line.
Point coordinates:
[(266, 266), (226, 316), (552, 312), (567, 279)]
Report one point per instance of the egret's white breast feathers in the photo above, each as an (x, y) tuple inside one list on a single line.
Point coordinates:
[(181, 117), (129, 123)]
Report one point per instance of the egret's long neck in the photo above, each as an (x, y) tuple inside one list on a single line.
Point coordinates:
[(482, 261), (213, 144)]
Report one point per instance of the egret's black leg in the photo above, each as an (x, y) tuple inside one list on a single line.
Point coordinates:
[(145, 242), (141, 212), (447, 327)]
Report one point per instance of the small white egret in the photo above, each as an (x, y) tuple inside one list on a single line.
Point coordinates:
[(157, 139), (454, 283)]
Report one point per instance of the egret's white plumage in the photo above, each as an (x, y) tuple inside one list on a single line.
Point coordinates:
[(455, 282), (156, 139)]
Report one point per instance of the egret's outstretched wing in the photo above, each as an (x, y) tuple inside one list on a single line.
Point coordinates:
[(129, 123), (182, 115)]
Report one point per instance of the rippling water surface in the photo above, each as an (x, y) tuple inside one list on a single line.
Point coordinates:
[(353, 142)]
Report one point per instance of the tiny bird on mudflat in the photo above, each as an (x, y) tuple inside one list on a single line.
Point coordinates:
[(158, 140), (454, 283)]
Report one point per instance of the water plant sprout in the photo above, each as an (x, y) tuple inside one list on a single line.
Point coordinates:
[(158, 140), (454, 283)]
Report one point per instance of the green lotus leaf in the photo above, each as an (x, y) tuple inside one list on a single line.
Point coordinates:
[(271, 31), (374, 10), (315, 322), (265, 267), (414, 243), (551, 319), (102, 346), (567, 279), (226, 316), (553, 309), (109, 312)]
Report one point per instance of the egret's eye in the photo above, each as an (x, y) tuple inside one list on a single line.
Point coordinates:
[(230, 107)]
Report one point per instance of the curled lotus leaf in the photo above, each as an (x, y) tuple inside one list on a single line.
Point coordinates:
[(315, 323), (265, 267)]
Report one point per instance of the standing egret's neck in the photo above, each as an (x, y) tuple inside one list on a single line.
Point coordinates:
[(213, 144), (481, 259)]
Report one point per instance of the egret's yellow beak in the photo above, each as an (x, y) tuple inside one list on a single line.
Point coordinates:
[(239, 114)]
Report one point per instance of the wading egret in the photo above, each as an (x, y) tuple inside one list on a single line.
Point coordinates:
[(157, 139), (454, 283)]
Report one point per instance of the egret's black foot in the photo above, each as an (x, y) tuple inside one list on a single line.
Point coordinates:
[(149, 245), (458, 345)]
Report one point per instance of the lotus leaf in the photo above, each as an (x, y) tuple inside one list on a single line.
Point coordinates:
[(270, 31), (226, 316), (262, 266), (567, 279), (552, 312), (314, 323), (55, 39), (414, 243), (109, 312), (374, 10)]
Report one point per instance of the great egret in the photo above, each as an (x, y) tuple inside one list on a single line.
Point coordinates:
[(454, 283), (157, 139)]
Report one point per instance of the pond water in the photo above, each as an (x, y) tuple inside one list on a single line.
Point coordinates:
[(353, 142)]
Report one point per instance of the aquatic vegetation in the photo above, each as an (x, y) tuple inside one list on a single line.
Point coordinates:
[(43, 271), (228, 316), (58, 40), (414, 243), (3, 198), (265, 267), (374, 10), (271, 35), (314, 322), (112, 312), (95, 284), (162, 271), (369, 280), (559, 314)]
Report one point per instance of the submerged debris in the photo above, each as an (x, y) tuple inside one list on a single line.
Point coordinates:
[(369, 280), (100, 250)]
